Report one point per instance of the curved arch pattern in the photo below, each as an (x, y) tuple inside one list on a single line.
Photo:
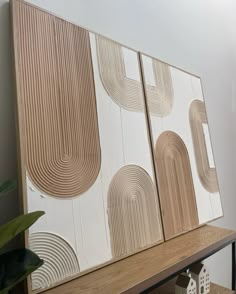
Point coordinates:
[(60, 261), (175, 183), (57, 97), (133, 211), (160, 97), (207, 174), (127, 93)]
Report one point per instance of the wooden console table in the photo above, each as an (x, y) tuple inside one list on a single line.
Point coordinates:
[(150, 270)]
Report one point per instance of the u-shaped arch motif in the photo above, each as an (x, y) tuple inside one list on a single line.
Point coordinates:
[(57, 94), (133, 212), (207, 174), (175, 183)]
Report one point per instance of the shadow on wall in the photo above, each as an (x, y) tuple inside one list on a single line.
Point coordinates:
[(8, 205)]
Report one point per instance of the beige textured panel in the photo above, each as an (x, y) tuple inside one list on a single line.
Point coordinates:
[(127, 93), (207, 175), (60, 261), (133, 212), (176, 190), (57, 97), (160, 97)]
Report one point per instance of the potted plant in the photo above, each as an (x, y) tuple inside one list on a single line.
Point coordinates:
[(16, 265)]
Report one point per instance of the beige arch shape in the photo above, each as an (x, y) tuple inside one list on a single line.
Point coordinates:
[(207, 175), (175, 183), (60, 260), (57, 101), (133, 211)]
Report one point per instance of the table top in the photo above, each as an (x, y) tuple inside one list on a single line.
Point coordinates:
[(147, 268)]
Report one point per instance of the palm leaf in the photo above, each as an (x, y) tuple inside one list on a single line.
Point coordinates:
[(7, 186), (15, 266), (18, 225)]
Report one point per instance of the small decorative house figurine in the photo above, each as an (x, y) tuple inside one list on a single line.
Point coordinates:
[(200, 274), (185, 285)]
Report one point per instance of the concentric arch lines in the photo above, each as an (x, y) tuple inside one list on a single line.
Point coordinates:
[(133, 211), (60, 261), (57, 97), (127, 93), (175, 183)]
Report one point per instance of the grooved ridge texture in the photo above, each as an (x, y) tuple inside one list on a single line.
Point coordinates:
[(132, 211), (175, 183), (57, 97), (60, 261), (160, 97), (207, 175)]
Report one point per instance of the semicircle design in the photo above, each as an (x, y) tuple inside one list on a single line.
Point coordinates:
[(175, 183), (160, 97), (57, 97), (60, 260), (207, 174), (133, 211), (125, 92)]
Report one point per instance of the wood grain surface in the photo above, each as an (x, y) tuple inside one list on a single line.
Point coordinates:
[(198, 117), (143, 270), (175, 183), (57, 98)]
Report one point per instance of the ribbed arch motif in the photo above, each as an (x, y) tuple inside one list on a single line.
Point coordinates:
[(207, 174), (60, 260), (160, 97), (57, 96), (133, 211), (127, 93), (175, 183)]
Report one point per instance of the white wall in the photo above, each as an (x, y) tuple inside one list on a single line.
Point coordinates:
[(195, 35)]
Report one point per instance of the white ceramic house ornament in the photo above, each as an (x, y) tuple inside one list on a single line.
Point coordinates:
[(200, 274), (185, 285)]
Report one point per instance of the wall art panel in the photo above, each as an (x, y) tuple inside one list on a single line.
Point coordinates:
[(84, 145), (182, 148)]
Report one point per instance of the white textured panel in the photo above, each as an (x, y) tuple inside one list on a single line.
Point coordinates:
[(135, 140), (186, 89), (148, 69), (131, 64), (110, 131), (123, 134), (179, 123), (58, 214), (196, 88), (90, 227), (208, 145), (216, 205)]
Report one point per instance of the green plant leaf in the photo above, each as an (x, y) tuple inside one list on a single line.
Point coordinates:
[(15, 266), (7, 186), (18, 225)]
